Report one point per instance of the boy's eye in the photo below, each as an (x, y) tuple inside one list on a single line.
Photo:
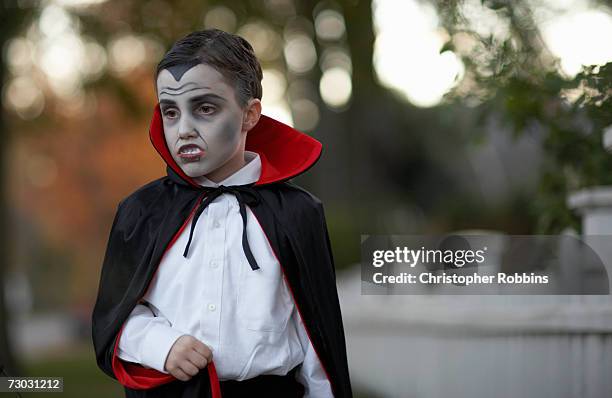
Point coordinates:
[(205, 109), (170, 113)]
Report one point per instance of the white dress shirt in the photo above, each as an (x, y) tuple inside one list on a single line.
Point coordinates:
[(247, 318)]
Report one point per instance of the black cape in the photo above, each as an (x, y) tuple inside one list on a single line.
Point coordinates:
[(148, 221)]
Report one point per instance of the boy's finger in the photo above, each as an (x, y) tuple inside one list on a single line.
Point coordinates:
[(179, 374), (204, 350), (197, 359), (189, 368)]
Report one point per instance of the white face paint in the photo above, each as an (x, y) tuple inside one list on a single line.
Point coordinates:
[(202, 122)]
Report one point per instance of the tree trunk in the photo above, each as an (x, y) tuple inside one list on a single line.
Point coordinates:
[(11, 18)]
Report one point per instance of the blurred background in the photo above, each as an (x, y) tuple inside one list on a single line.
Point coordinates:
[(435, 116)]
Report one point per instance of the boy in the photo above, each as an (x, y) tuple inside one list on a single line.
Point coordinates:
[(218, 279)]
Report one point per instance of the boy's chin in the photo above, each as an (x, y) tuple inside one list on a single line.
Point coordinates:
[(194, 170)]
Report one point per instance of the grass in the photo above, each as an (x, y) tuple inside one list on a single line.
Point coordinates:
[(82, 377)]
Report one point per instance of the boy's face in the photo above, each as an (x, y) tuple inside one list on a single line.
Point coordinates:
[(203, 123)]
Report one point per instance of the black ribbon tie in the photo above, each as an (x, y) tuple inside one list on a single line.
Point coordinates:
[(245, 194)]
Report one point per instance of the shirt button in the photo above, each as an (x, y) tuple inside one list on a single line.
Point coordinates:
[(212, 307), (214, 264), (216, 224)]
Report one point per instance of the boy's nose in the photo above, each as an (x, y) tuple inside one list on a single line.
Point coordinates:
[(186, 128)]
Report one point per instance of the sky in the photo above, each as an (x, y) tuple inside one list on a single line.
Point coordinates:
[(409, 38)]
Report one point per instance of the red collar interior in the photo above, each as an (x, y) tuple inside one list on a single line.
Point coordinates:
[(284, 151)]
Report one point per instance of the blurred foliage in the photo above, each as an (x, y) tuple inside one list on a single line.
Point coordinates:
[(52, 271), (515, 79)]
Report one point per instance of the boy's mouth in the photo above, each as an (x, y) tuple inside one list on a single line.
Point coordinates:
[(190, 152)]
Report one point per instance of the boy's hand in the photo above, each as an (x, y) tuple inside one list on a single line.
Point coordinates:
[(186, 357)]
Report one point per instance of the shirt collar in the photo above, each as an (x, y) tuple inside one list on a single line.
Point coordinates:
[(249, 173)]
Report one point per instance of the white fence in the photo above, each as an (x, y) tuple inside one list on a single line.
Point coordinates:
[(478, 346), (440, 346)]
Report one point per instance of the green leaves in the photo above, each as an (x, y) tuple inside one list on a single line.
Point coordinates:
[(520, 83)]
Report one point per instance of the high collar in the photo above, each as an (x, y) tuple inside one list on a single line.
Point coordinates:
[(247, 174), (284, 152)]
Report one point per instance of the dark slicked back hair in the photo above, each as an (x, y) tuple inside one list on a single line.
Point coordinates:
[(231, 55)]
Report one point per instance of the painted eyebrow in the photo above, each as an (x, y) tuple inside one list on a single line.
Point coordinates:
[(197, 98), (166, 102), (182, 92), (179, 87)]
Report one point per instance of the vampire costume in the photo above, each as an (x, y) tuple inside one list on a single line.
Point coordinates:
[(149, 221)]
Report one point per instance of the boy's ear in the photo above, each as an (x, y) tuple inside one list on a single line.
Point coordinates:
[(252, 114)]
